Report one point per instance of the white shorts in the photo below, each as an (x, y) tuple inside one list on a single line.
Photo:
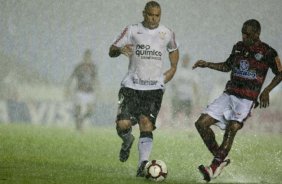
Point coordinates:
[(228, 107), (84, 100)]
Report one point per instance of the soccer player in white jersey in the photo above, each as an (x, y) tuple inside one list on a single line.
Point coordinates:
[(146, 45), (85, 76)]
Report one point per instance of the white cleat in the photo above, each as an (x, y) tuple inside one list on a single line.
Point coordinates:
[(219, 169), (208, 173)]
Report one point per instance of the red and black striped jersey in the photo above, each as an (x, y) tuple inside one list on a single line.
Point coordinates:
[(249, 66)]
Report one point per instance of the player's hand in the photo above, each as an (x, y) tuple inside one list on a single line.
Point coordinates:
[(264, 99), (256, 104), (200, 63), (127, 50)]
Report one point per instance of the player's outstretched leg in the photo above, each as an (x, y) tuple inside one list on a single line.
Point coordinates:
[(203, 126), (220, 160)]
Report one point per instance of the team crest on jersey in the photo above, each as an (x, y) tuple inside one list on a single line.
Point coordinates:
[(243, 71), (244, 65), (258, 56), (162, 35)]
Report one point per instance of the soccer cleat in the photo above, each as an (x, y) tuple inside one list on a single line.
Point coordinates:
[(125, 149), (212, 171), (140, 170), (219, 169), (206, 172)]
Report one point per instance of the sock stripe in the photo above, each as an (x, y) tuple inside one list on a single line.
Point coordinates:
[(146, 134)]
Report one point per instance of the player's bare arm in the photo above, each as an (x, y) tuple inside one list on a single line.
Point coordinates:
[(264, 96), (173, 57), (116, 51), (223, 67)]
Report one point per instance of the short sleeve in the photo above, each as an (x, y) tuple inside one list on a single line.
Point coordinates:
[(274, 61), (172, 44), (123, 38)]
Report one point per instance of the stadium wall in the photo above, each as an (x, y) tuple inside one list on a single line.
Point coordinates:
[(48, 113)]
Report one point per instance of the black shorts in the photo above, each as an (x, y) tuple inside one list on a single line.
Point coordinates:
[(133, 103)]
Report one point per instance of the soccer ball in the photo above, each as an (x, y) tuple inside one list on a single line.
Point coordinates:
[(156, 170)]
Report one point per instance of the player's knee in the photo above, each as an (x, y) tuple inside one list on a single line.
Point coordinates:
[(123, 125), (204, 122), (121, 130), (145, 124), (234, 126), (200, 124)]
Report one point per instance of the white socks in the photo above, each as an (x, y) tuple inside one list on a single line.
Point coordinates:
[(145, 146)]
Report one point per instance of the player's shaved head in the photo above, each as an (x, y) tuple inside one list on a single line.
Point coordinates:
[(152, 15), (254, 24), (151, 4)]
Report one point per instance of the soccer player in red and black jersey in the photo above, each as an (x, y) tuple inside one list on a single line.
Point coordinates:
[(248, 63)]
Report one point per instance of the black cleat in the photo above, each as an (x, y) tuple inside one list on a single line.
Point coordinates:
[(125, 150), (206, 172), (140, 171)]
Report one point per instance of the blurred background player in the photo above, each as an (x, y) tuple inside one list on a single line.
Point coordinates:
[(85, 77), (248, 63), (140, 97), (184, 92)]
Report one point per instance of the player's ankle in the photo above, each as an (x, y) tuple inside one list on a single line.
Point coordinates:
[(215, 163)]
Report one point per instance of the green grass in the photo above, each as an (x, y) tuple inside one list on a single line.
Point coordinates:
[(36, 154)]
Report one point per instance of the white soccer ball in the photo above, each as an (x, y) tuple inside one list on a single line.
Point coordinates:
[(156, 170)]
